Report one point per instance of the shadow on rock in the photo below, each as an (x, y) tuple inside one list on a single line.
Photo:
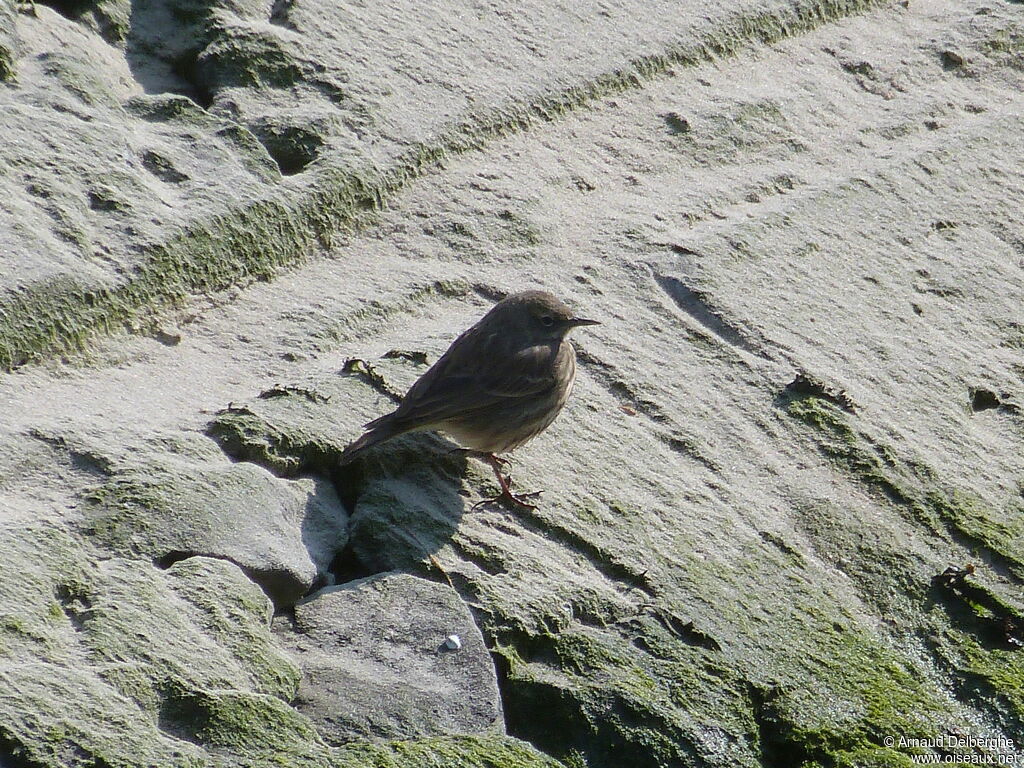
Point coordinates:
[(976, 609), (405, 502), (163, 39)]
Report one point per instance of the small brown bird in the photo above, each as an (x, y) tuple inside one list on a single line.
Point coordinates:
[(500, 384)]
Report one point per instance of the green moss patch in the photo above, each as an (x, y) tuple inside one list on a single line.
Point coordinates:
[(258, 725), (446, 752), (248, 437), (610, 702), (978, 639), (911, 485)]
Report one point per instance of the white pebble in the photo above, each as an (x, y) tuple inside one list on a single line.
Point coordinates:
[(452, 643)]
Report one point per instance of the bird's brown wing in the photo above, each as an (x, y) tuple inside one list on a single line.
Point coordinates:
[(478, 371)]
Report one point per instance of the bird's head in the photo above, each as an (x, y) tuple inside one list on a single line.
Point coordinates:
[(539, 316)]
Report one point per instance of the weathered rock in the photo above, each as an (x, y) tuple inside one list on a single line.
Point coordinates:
[(293, 429), (101, 197), (119, 663), (489, 751), (171, 505), (797, 427), (320, 418), (375, 663)]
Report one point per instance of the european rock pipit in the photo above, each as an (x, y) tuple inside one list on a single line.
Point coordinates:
[(500, 384)]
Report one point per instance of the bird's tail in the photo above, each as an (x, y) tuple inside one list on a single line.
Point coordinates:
[(377, 431)]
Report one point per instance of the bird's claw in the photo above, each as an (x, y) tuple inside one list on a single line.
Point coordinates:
[(509, 499), (506, 497)]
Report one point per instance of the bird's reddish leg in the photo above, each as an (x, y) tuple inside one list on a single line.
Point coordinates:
[(506, 495)]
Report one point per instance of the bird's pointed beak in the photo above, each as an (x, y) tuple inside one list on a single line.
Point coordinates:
[(576, 322)]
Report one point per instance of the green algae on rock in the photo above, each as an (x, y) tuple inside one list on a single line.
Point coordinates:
[(99, 647)]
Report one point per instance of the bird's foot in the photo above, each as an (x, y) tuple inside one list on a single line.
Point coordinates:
[(506, 496), (509, 499)]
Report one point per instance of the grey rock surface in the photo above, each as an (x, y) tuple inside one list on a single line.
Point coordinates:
[(157, 149), (782, 514), (303, 428), (176, 495), (375, 665)]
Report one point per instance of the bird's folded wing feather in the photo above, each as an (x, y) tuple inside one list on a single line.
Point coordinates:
[(475, 375)]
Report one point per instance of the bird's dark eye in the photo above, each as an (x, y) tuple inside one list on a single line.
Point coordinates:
[(547, 321)]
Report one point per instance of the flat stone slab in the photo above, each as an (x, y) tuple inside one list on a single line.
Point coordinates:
[(377, 661)]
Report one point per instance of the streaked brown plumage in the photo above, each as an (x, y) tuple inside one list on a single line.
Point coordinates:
[(500, 384)]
